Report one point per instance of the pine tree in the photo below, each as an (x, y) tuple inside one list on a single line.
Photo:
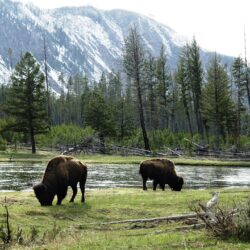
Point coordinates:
[(59, 105), (151, 91), (133, 60), (174, 101), (98, 116), (217, 105), (195, 78), (3, 95), (182, 81), (85, 96), (115, 101), (103, 86), (239, 80), (164, 81), (27, 99), (128, 118)]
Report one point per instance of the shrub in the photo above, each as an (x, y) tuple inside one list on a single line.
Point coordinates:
[(3, 144), (227, 222), (64, 135)]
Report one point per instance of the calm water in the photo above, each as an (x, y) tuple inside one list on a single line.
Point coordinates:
[(22, 176)]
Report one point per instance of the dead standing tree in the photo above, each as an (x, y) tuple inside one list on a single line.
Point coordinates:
[(133, 60)]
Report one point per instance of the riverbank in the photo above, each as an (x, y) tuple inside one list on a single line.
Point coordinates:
[(44, 156), (77, 226)]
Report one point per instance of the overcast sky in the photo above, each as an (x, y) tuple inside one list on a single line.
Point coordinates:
[(218, 25)]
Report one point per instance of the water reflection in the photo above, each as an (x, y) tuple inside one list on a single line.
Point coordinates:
[(22, 176)]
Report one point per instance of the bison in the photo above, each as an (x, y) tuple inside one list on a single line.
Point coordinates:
[(161, 171), (61, 172)]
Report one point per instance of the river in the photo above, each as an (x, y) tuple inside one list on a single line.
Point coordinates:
[(22, 176)]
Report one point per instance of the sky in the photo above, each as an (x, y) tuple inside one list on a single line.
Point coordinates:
[(218, 25)]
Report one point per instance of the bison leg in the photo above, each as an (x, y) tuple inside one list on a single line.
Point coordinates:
[(162, 185), (74, 188), (155, 183), (144, 180), (61, 195), (82, 187)]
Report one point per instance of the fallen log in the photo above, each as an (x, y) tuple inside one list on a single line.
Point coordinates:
[(183, 228), (176, 229), (167, 218)]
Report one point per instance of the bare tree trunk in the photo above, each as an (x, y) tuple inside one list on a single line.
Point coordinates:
[(189, 121), (248, 90), (122, 125), (32, 139), (198, 117), (102, 143), (238, 123), (30, 123), (46, 77), (141, 111)]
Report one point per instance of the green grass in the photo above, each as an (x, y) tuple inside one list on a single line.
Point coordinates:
[(26, 156), (76, 226), (44, 156), (178, 161)]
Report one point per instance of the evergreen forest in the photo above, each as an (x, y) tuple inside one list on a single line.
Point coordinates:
[(150, 104)]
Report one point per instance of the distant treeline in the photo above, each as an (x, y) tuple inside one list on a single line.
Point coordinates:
[(147, 105)]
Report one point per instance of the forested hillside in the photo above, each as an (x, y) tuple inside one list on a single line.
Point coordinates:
[(154, 107)]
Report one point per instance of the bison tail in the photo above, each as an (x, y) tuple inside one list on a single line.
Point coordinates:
[(140, 169)]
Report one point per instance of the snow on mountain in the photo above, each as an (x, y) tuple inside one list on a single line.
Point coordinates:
[(79, 40), (4, 71)]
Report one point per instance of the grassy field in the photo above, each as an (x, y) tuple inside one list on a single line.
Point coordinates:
[(44, 156), (76, 226)]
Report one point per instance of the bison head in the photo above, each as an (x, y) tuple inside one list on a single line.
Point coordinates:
[(43, 195), (177, 185)]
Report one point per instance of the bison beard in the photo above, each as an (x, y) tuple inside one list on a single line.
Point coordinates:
[(61, 172), (161, 171)]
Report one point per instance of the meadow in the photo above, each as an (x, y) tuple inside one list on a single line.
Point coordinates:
[(78, 226)]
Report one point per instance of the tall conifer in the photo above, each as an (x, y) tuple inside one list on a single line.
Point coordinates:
[(217, 105), (27, 99), (133, 60)]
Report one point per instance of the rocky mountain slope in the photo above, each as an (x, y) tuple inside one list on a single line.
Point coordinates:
[(79, 40)]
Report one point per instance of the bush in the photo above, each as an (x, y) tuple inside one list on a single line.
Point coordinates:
[(64, 135), (3, 144), (243, 231), (245, 143), (227, 222)]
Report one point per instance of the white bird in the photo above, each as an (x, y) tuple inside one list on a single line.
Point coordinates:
[(213, 201)]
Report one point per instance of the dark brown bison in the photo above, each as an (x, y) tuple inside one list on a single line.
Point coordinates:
[(61, 172), (161, 171)]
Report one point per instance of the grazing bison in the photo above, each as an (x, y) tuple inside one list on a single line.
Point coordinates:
[(61, 172), (161, 171)]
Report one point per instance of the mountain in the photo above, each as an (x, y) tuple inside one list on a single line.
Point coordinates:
[(78, 39)]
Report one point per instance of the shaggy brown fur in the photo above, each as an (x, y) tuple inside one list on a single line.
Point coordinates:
[(61, 172), (161, 171)]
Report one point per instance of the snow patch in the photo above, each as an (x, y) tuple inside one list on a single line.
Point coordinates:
[(80, 40), (5, 72)]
